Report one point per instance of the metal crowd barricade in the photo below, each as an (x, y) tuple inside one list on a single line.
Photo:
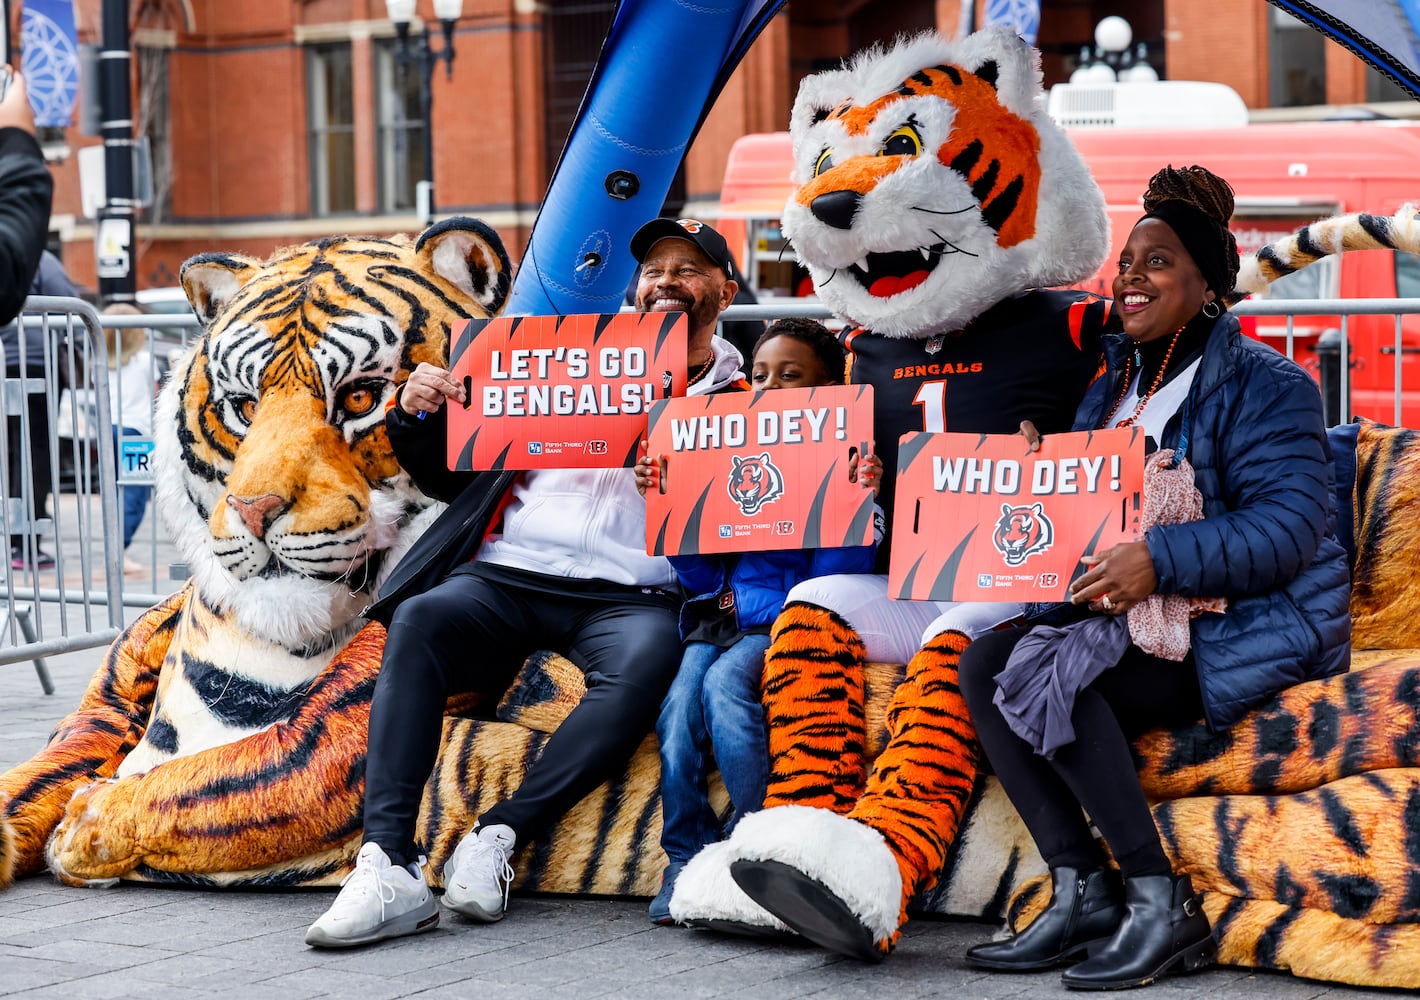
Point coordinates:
[(45, 602)]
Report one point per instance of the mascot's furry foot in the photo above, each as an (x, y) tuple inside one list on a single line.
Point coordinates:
[(706, 896), (830, 878)]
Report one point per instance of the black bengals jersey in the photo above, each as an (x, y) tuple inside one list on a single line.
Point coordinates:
[(1030, 357)]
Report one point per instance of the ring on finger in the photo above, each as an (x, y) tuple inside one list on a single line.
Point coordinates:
[(1106, 603)]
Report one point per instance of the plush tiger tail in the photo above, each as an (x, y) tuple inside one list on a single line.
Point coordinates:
[(1325, 238), (280, 807), (920, 785), (89, 743), (813, 705)]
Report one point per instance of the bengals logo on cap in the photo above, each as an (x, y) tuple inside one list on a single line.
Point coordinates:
[(690, 225)]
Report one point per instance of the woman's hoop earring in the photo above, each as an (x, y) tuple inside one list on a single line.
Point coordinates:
[(1217, 309)]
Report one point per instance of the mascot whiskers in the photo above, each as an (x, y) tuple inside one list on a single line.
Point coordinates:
[(229, 720)]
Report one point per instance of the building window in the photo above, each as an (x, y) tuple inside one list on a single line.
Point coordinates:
[(1298, 62), (331, 115), (154, 122), (572, 33), (400, 122), (1380, 87)]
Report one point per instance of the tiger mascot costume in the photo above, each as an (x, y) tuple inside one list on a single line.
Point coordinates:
[(935, 198), (239, 705)]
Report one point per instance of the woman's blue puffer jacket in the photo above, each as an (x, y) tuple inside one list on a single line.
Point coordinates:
[(1256, 438)]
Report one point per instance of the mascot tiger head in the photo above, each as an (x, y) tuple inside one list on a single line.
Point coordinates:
[(932, 185), (275, 475)]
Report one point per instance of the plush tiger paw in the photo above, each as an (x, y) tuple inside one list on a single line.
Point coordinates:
[(87, 848), (706, 896), (830, 878)]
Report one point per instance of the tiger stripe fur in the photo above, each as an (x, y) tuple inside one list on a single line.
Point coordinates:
[(814, 709)]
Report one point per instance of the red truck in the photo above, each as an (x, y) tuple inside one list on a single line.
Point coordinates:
[(1284, 175)]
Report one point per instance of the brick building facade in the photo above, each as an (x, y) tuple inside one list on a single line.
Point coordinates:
[(276, 121)]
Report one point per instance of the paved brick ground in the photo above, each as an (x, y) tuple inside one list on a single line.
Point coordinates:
[(160, 942)]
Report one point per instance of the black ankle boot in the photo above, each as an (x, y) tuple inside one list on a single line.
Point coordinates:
[(1085, 908), (1164, 930)]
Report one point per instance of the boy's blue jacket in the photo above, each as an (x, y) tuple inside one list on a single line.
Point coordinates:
[(759, 581)]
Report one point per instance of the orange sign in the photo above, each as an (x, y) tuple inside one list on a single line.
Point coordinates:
[(561, 392), (979, 518), (751, 471)]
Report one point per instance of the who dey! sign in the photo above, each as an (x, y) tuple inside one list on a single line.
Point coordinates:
[(561, 392), (980, 518), (754, 471)]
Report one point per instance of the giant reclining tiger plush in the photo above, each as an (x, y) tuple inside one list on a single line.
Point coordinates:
[(222, 739)]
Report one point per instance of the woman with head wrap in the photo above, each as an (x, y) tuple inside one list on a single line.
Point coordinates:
[(1247, 422)]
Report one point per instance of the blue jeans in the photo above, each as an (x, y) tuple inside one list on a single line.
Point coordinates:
[(714, 701)]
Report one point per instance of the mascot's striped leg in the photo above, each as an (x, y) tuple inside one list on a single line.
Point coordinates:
[(88, 744), (844, 881), (280, 807), (919, 788), (814, 705)]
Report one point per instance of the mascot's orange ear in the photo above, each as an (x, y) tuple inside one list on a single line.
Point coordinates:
[(471, 256), (211, 279)]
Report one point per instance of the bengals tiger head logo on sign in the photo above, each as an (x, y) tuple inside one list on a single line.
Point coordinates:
[(754, 482), (932, 184), (1022, 532)]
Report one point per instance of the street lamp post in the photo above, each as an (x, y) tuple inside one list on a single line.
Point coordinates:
[(419, 50)]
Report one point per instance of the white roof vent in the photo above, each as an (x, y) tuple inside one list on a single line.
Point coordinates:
[(1152, 104)]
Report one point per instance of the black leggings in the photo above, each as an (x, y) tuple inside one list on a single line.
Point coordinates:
[(471, 634), (1097, 770)]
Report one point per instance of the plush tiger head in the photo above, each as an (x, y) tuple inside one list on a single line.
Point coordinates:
[(275, 474), (932, 185)]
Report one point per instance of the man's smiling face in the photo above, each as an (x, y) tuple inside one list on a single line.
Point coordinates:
[(676, 276)]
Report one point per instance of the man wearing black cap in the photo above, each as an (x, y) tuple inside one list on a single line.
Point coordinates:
[(551, 559), (686, 266)]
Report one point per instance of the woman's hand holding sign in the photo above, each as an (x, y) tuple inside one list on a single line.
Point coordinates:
[(1117, 580), (427, 388)]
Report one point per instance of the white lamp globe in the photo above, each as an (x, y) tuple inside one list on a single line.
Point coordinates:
[(1113, 34), (400, 11), (1093, 74), (1140, 72), (448, 10)]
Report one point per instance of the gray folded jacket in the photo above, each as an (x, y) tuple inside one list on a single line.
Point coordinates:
[(1049, 667)]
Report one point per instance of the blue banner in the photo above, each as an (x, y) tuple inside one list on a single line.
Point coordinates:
[(1022, 15), (50, 60)]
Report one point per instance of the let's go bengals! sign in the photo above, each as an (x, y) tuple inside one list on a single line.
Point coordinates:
[(561, 392), (979, 518)]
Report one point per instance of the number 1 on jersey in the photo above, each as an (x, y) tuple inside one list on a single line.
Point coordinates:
[(932, 397)]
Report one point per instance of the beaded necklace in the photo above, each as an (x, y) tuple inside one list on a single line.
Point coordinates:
[(1128, 376), (703, 370)]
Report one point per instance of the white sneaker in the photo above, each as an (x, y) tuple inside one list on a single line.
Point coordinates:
[(377, 900), (477, 877)]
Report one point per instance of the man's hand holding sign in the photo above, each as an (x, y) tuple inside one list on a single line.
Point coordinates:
[(988, 518), (559, 392)]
